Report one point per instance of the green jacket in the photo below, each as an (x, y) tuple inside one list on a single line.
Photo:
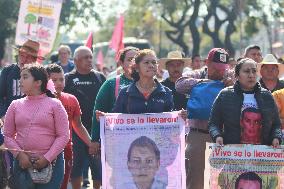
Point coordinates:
[(105, 101)]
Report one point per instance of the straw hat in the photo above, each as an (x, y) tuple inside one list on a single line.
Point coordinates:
[(30, 47), (270, 59), (173, 55)]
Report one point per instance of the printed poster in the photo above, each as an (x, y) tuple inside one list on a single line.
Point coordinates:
[(38, 20), (143, 150), (244, 166)]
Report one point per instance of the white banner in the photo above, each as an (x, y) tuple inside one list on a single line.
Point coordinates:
[(145, 150), (38, 20), (240, 166)]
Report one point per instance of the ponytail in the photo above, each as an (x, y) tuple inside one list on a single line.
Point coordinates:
[(49, 93)]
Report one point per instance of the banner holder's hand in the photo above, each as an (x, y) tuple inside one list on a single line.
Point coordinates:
[(183, 114), (276, 143), (99, 114), (219, 141)]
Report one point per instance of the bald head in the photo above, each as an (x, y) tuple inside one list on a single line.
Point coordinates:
[(81, 50), (83, 58)]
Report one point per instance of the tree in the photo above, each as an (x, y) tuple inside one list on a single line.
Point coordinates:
[(215, 10), (8, 18), (260, 14), (30, 19), (176, 34), (73, 10)]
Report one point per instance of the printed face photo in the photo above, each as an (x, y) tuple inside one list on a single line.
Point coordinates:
[(251, 126), (248, 184), (143, 164)]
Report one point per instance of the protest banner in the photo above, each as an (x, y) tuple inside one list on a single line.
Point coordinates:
[(235, 166), (38, 20), (143, 149)]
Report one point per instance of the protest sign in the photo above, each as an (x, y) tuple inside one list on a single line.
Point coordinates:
[(38, 20), (143, 149), (233, 166)]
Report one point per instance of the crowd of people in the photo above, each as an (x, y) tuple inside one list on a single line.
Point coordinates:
[(50, 114)]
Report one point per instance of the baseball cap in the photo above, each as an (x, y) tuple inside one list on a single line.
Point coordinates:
[(218, 55)]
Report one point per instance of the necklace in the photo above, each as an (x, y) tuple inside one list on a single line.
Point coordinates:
[(141, 88)]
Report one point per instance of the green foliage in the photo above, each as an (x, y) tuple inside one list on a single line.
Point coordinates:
[(8, 18), (72, 10), (251, 27)]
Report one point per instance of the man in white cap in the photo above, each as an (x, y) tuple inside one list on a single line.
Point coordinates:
[(270, 71), (175, 64), (10, 75)]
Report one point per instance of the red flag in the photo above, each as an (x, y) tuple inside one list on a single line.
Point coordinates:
[(116, 42), (100, 58), (89, 42)]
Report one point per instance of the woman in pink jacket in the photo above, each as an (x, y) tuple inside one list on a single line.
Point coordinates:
[(36, 130)]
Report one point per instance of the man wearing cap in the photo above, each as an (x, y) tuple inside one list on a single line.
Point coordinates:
[(10, 75), (270, 71), (175, 63), (253, 52), (215, 69)]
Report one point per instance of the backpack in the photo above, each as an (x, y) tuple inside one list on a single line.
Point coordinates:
[(201, 99)]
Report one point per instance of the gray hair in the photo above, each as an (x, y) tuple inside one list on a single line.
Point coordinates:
[(79, 49), (64, 47)]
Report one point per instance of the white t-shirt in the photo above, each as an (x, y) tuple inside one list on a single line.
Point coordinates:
[(250, 121)]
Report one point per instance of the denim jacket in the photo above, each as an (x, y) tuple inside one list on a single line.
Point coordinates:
[(131, 101)]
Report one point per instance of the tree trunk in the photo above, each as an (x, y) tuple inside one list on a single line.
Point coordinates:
[(194, 30), (231, 16), (178, 40), (218, 23), (2, 46)]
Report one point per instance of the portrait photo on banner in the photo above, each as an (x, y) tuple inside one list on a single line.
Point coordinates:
[(244, 167), (143, 150)]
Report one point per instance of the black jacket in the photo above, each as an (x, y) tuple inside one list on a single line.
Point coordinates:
[(9, 87), (85, 88), (180, 100), (131, 101), (225, 115)]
